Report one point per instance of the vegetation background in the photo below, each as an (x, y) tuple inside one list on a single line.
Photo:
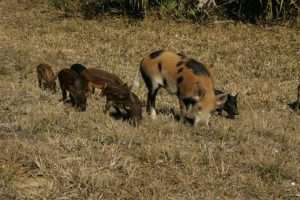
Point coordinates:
[(50, 151), (196, 10)]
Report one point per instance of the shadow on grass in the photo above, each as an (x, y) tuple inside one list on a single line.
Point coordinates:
[(175, 115), (124, 116), (188, 120), (295, 106)]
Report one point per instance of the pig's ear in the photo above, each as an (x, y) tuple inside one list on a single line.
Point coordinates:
[(221, 99)]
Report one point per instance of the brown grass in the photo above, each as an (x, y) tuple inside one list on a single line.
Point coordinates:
[(50, 151)]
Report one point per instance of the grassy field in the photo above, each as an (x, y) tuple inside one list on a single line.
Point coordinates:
[(50, 151)]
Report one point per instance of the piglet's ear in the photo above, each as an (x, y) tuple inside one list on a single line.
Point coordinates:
[(221, 99)]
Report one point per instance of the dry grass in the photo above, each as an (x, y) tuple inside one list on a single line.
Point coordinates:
[(50, 151)]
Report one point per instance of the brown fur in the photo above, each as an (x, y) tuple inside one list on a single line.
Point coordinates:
[(190, 80), (120, 97), (46, 77), (99, 78), (77, 87)]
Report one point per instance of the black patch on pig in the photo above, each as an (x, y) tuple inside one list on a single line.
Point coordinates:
[(78, 68), (180, 70), (197, 67), (179, 63), (155, 54), (179, 80), (165, 82), (189, 101), (181, 55), (159, 67)]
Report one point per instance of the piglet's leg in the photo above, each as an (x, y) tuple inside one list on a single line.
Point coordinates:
[(107, 106), (40, 82), (73, 101), (64, 94), (117, 109), (182, 110), (151, 102), (298, 99)]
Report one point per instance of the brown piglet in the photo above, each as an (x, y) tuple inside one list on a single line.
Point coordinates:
[(120, 97), (97, 78), (46, 77), (77, 87)]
